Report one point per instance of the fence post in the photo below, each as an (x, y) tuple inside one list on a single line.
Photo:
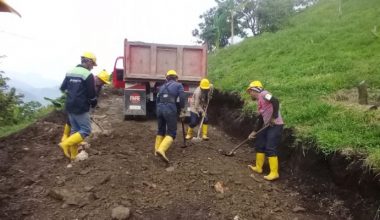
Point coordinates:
[(363, 93)]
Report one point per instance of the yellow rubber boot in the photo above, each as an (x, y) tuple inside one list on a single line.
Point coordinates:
[(259, 163), (73, 151), (273, 165), (189, 134), (65, 148), (66, 132), (164, 146), (74, 139), (159, 139), (204, 132), (83, 143)]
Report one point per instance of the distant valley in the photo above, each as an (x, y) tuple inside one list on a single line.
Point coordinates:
[(34, 94)]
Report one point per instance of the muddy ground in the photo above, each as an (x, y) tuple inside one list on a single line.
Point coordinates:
[(122, 170)]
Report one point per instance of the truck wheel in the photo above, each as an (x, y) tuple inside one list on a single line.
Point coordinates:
[(135, 117), (128, 117), (141, 117)]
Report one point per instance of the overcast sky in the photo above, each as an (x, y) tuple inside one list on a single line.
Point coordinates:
[(51, 35)]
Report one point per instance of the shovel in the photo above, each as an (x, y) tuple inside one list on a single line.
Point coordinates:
[(183, 133), (97, 124), (232, 152), (198, 138)]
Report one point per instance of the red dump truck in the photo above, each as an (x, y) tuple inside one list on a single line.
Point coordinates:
[(142, 70)]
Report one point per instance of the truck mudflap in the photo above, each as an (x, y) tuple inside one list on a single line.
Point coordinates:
[(135, 99)]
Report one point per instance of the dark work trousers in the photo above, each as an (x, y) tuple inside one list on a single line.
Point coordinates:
[(167, 119), (268, 140), (195, 119)]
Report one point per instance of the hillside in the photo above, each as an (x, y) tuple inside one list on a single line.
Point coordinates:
[(34, 94), (313, 66)]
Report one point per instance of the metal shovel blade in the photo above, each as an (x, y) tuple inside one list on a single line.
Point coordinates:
[(196, 139), (228, 154), (233, 151)]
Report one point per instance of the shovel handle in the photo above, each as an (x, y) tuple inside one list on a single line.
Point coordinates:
[(183, 133), (238, 146), (203, 118), (200, 126), (245, 141), (101, 128)]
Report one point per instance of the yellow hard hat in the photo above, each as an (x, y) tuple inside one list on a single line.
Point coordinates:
[(205, 84), (255, 84), (104, 76), (90, 56), (171, 73)]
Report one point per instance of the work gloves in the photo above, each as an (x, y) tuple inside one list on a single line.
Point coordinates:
[(252, 135), (202, 113), (271, 122)]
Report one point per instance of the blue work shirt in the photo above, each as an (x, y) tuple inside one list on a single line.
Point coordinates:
[(79, 85), (169, 93)]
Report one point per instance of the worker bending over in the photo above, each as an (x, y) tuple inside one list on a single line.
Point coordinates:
[(198, 108), (100, 80)]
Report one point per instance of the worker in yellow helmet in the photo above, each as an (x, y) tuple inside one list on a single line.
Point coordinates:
[(101, 79), (167, 96), (267, 140), (79, 85), (198, 107)]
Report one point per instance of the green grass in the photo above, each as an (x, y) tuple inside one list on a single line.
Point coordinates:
[(319, 53), (10, 129)]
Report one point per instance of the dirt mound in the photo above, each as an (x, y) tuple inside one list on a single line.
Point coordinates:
[(199, 183)]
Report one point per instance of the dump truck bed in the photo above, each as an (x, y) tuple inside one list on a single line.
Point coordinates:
[(150, 62)]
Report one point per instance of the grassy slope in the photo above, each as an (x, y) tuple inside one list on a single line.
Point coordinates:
[(319, 53), (10, 129)]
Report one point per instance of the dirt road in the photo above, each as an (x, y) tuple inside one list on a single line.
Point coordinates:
[(123, 171)]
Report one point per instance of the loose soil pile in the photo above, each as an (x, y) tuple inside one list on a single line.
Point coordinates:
[(199, 182)]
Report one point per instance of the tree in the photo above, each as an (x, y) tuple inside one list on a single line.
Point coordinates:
[(211, 30), (29, 109), (302, 4), (272, 14), (9, 101), (215, 30), (247, 15), (268, 15), (12, 109), (235, 16)]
